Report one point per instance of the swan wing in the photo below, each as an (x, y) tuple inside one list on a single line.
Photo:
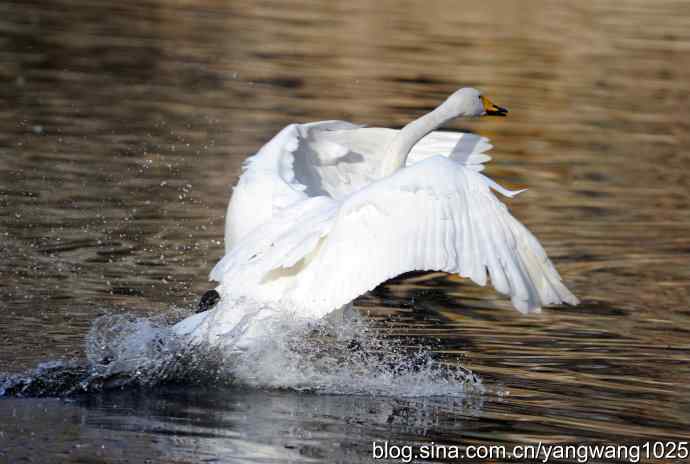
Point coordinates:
[(332, 157), (280, 165), (281, 242), (464, 148), (277, 177), (434, 215), (328, 158)]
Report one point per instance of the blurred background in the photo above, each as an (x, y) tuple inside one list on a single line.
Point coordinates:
[(123, 126)]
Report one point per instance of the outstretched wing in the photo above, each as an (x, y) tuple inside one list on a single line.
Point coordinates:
[(463, 148), (336, 158), (434, 215), (370, 142), (277, 177), (326, 158)]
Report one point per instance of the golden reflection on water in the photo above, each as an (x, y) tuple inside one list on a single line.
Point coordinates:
[(122, 127)]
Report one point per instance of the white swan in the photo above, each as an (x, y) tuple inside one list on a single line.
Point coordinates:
[(326, 211)]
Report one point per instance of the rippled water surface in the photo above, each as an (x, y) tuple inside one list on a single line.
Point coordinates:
[(122, 127)]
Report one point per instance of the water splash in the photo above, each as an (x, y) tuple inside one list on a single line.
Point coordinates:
[(351, 357), (335, 356)]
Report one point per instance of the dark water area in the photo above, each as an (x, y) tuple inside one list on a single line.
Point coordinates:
[(123, 126)]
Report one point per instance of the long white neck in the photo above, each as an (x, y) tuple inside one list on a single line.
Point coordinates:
[(399, 148)]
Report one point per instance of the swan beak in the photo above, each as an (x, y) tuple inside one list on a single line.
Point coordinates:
[(493, 110)]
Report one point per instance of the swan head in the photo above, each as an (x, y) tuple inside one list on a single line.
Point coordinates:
[(469, 102)]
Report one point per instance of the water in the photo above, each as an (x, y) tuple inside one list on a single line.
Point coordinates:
[(123, 126)]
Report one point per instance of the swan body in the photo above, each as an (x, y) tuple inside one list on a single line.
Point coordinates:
[(326, 211)]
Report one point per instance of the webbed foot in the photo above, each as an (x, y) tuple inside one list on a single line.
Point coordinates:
[(208, 301)]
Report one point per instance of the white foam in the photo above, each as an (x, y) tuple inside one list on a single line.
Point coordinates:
[(339, 356), (346, 358)]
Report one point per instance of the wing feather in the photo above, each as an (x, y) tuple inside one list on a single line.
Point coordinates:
[(437, 214)]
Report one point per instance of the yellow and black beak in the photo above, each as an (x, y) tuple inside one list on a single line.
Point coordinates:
[(493, 110)]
